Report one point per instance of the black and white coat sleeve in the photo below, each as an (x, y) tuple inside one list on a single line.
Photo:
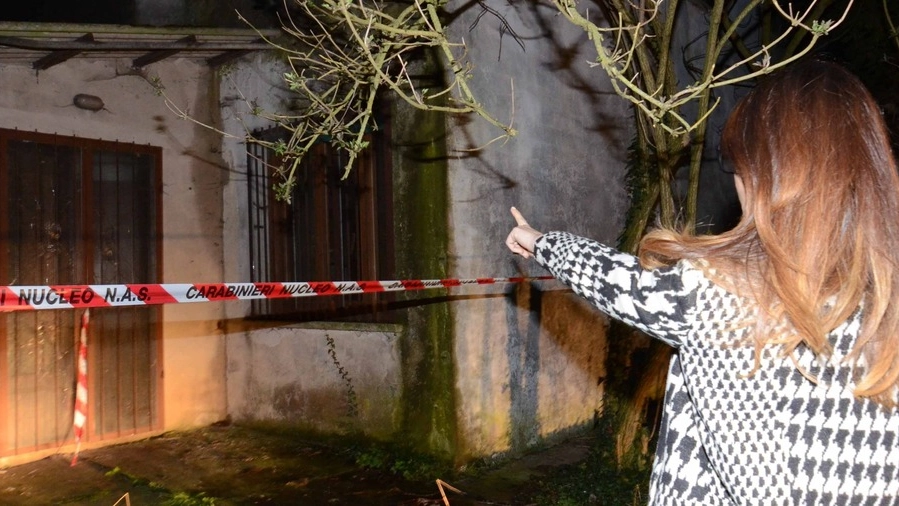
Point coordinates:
[(658, 301), (730, 436)]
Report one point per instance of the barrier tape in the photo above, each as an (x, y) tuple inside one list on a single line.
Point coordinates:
[(79, 418), (13, 298)]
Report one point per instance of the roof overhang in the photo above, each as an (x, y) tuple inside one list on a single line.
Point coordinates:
[(43, 45)]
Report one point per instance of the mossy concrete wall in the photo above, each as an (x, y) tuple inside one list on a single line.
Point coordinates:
[(466, 373), (421, 203), (404, 380), (530, 359), (331, 377), (483, 370)]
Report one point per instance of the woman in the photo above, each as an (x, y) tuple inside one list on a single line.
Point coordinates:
[(783, 387)]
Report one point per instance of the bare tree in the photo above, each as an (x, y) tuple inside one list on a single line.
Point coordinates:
[(343, 52)]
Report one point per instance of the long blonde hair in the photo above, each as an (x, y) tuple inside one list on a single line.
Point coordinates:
[(819, 235)]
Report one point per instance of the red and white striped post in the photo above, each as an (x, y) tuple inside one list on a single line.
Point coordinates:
[(80, 418)]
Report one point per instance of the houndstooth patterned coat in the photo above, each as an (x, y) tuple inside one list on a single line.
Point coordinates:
[(730, 437)]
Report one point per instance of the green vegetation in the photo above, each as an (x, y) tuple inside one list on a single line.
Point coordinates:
[(421, 201), (599, 479), (175, 498), (352, 402), (185, 499), (408, 464)]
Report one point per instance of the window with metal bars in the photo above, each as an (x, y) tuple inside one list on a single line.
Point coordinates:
[(333, 229), (77, 211)]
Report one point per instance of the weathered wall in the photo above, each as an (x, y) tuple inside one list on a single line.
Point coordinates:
[(478, 372), (486, 370), (293, 374), (193, 365), (421, 206), (290, 373), (530, 359)]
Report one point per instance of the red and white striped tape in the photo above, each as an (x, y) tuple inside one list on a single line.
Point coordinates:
[(14, 298), (80, 417)]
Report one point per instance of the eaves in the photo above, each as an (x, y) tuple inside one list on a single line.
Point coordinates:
[(43, 45)]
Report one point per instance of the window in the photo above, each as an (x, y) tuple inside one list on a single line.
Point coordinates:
[(77, 211), (333, 230)]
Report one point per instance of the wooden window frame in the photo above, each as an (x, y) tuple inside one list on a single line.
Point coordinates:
[(85, 249), (274, 235)]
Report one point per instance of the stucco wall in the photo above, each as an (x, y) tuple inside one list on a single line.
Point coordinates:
[(287, 373), (530, 359), (193, 365), (527, 362), (338, 380)]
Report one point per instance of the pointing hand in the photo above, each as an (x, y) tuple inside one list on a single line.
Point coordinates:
[(522, 238)]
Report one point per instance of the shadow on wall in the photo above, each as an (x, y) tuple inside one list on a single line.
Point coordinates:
[(717, 209), (523, 355), (573, 326), (491, 179), (569, 61)]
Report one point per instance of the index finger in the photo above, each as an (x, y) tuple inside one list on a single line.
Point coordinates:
[(518, 217)]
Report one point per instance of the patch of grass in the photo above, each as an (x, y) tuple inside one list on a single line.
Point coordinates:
[(410, 465), (175, 498), (598, 480), (136, 481), (185, 499)]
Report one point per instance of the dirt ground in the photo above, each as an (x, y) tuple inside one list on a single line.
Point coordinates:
[(234, 465)]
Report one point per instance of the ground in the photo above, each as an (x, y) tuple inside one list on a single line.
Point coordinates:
[(236, 465)]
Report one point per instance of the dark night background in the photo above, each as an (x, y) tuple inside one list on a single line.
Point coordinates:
[(863, 42), (194, 13)]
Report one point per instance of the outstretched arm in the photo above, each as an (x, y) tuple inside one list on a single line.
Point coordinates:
[(658, 301)]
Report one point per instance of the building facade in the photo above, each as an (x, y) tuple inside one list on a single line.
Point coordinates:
[(127, 163)]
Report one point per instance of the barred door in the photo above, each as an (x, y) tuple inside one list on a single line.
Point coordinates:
[(77, 211)]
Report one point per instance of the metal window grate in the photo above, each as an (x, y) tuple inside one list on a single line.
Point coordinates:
[(77, 211), (334, 229)]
